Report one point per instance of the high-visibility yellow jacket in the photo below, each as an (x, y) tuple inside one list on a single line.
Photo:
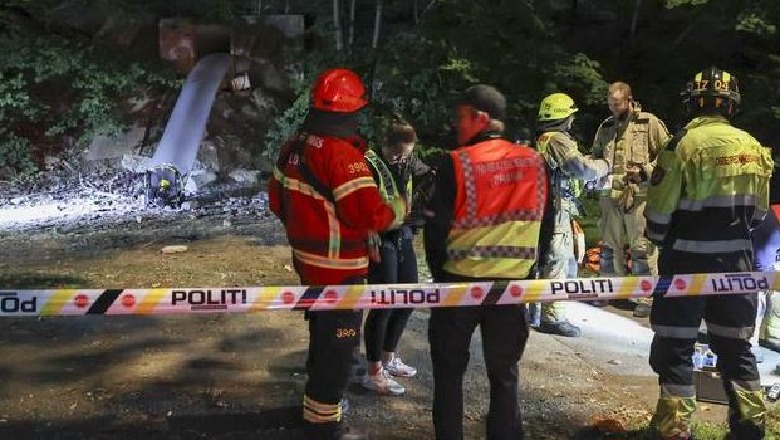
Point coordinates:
[(709, 188)]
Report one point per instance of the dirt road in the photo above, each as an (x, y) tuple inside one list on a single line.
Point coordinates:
[(238, 377)]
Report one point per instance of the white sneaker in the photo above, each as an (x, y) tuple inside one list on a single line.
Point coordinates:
[(383, 384), (398, 368)]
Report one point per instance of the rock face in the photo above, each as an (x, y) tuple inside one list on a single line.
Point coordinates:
[(199, 179), (107, 147), (262, 49), (100, 187), (136, 164)]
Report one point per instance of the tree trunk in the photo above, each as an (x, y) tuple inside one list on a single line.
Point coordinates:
[(351, 24), (414, 12), (286, 6), (377, 24), (426, 9), (337, 25), (634, 21)]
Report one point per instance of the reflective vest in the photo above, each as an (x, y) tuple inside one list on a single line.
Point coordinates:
[(386, 182), (501, 191)]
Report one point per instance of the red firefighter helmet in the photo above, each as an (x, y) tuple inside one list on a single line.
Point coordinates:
[(338, 91)]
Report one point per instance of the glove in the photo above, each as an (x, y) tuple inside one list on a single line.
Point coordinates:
[(636, 176), (626, 200), (374, 242), (635, 173), (398, 205)]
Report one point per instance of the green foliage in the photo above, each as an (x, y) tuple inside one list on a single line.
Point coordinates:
[(15, 153), (756, 24), (416, 88), (51, 87), (286, 125), (420, 70), (526, 48), (214, 11), (675, 3)]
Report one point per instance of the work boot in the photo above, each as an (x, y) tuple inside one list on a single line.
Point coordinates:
[(642, 310), (560, 328)]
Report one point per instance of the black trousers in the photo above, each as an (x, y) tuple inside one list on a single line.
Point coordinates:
[(333, 336), (730, 323), (504, 334), (383, 328)]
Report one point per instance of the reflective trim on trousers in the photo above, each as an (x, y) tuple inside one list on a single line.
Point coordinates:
[(752, 407), (318, 412), (668, 331), (730, 332)]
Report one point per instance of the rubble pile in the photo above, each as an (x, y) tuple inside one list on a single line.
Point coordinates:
[(63, 199)]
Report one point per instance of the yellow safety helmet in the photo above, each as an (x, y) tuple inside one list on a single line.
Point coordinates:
[(164, 183), (556, 106)]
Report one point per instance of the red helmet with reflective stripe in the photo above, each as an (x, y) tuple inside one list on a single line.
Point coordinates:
[(339, 91)]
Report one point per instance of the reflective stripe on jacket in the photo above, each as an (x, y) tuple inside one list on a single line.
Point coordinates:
[(501, 191), (709, 189), (328, 231)]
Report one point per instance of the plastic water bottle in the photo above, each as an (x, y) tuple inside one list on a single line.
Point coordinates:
[(776, 266), (710, 359), (774, 392), (698, 361)]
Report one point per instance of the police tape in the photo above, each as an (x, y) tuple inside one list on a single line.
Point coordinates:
[(68, 302)]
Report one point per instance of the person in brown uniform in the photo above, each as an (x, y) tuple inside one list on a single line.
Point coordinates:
[(629, 140)]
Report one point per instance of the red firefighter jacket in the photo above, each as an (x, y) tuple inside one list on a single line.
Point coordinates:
[(327, 206)]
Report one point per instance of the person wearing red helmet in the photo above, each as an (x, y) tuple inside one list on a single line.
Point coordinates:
[(325, 195)]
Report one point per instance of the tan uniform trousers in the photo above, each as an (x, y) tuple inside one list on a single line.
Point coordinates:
[(619, 229)]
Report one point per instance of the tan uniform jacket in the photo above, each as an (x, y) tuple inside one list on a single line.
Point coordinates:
[(637, 139)]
